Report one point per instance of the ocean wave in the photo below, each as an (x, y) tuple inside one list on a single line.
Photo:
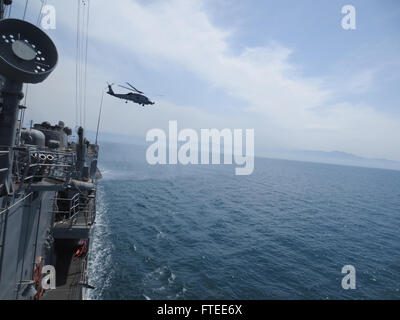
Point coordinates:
[(100, 258)]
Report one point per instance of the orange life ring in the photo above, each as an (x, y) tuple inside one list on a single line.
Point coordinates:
[(81, 250)]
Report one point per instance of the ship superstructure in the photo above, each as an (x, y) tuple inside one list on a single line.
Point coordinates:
[(47, 180)]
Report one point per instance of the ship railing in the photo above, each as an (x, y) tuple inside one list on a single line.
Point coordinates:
[(85, 213), (70, 214), (4, 151), (8, 208), (75, 209), (81, 210), (35, 164), (93, 149), (88, 208), (84, 276)]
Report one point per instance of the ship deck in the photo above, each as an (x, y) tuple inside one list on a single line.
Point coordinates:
[(69, 273)]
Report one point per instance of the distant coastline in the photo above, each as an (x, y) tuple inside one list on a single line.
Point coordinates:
[(335, 157), (315, 156)]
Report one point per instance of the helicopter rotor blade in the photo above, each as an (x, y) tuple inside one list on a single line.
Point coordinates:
[(134, 88), (125, 88)]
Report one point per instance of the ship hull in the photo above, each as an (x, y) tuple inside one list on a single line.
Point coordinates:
[(25, 233)]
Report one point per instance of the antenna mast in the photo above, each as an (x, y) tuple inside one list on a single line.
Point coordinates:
[(4, 3), (98, 121), (1, 9)]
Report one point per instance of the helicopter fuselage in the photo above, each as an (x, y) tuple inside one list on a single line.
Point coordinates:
[(134, 97)]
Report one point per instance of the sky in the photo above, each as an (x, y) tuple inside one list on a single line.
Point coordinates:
[(286, 69)]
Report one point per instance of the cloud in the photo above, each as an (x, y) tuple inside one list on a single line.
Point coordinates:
[(362, 82), (286, 108)]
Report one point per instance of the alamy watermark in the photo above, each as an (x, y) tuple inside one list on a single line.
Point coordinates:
[(193, 150), (349, 280), (349, 20), (49, 17), (49, 280)]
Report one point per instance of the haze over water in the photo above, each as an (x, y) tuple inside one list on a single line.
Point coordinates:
[(285, 232)]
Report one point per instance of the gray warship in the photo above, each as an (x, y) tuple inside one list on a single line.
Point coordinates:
[(47, 180)]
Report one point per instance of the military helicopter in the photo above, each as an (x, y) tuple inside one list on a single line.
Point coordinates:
[(135, 96)]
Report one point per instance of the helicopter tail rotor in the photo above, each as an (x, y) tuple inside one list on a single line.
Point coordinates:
[(110, 90)]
